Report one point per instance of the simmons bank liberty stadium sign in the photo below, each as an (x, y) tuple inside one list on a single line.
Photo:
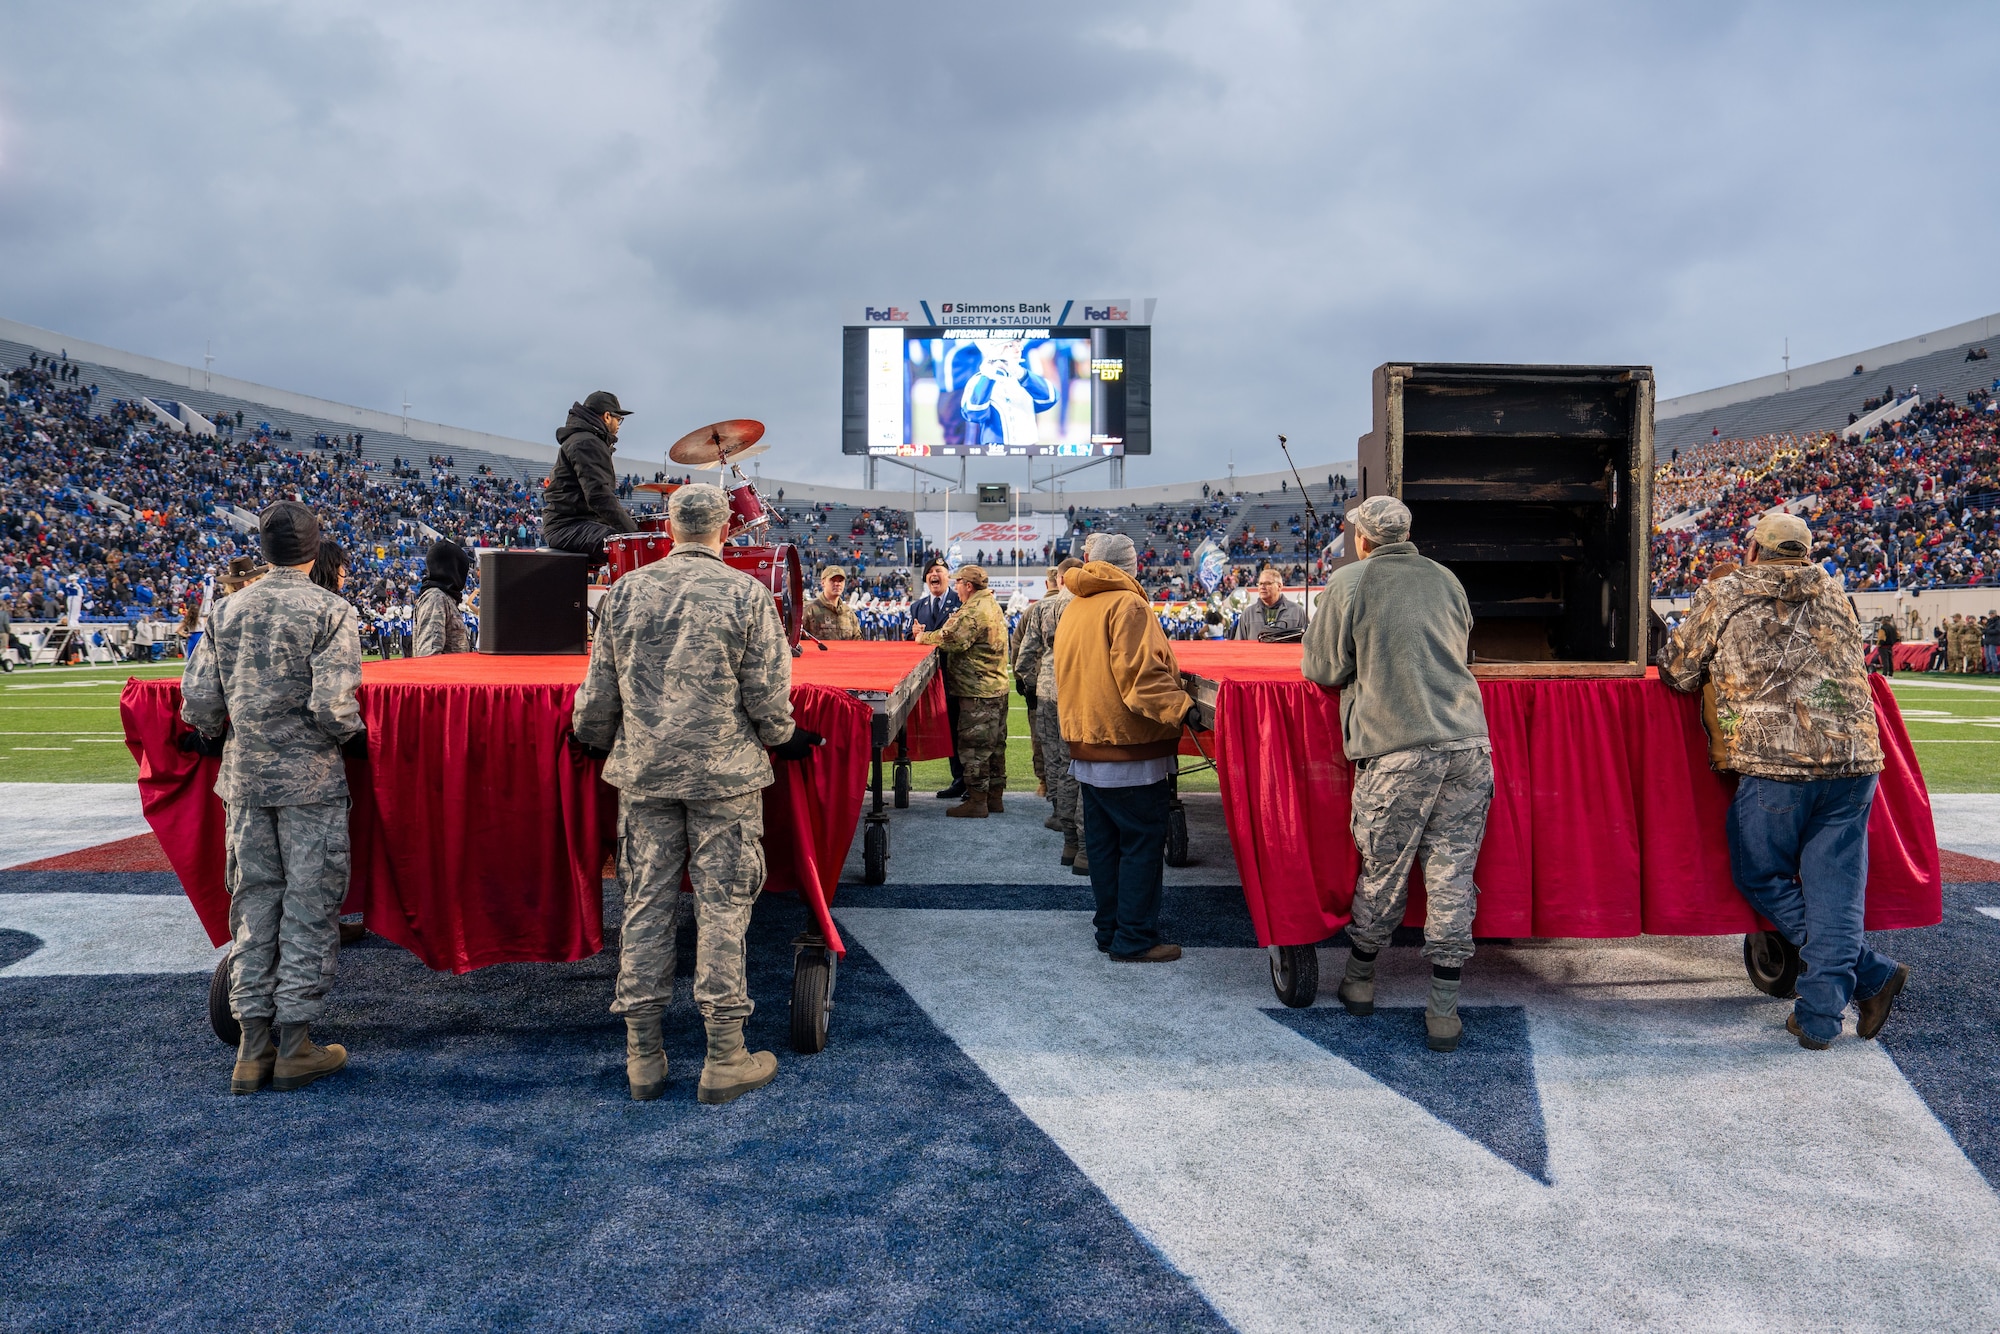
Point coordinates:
[(1070, 312)]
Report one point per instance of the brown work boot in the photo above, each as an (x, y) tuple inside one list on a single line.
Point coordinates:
[(730, 1071), (645, 1061), (254, 1057), (1875, 1010), (972, 808), (996, 798), (1081, 866), (300, 1062), (1806, 1040), (1070, 850), (1161, 953)]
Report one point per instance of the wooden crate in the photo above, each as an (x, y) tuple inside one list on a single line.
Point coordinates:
[(1534, 485)]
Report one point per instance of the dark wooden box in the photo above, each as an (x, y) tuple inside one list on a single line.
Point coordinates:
[(1534, 485)]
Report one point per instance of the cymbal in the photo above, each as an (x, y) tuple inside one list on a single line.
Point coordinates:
[(663, 488), (722, 442)]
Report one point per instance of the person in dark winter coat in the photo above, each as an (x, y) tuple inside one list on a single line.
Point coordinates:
[(440, 622), (580, 507)]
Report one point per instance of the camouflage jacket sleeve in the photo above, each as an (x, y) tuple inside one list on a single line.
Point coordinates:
[(1693, 646), (202, 704), (336, 676), (958, 633), (594, 715), (433, 631), (764, 676), (1028, 652)]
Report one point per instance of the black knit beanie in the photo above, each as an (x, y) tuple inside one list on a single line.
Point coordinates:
[(289, 533)]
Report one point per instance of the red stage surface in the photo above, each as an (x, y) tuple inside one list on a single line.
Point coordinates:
[(479, 838), (1606, 819)]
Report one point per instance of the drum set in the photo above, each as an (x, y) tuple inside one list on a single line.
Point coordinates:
[(774, 565)]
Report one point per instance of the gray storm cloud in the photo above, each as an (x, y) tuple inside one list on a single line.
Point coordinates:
[(496, 208)]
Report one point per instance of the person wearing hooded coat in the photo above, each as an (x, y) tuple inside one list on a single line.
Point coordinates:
[(440, 628), (580, 506)]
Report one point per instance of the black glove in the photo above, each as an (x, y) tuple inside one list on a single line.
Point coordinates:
[(194, 743), (356, 746), (583, 750), (1033, 701), (797, 746)]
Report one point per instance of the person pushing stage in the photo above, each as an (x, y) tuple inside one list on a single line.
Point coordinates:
[(690, 681), (580, 506)]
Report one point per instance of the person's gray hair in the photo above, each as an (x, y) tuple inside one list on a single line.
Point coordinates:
[(1381, 519), (1113, 549), (699, 509)]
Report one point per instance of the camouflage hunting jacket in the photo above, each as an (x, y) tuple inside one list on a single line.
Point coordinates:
[(440, 625), (1034, 655), (279, 668), (1785, 652), (835, 622), (974, 640), (690, 679)]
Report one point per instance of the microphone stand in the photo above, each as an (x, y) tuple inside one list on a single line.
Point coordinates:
[(1319, 555)]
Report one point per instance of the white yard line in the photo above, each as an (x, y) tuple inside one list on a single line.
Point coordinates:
[(50, 819)]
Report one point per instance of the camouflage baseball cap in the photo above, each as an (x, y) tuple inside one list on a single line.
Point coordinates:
[(699, 508), (1381, 519), (1782, 535), (827, 572), (972, 574)]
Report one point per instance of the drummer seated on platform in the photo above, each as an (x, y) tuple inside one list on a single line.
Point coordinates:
[(580, 507)]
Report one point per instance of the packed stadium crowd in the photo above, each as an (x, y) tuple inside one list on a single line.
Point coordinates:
[(1913, 504)]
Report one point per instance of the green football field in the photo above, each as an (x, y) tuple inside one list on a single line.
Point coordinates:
[(60, 725)]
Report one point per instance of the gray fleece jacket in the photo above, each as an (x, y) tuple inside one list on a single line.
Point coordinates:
[(1390, 633)]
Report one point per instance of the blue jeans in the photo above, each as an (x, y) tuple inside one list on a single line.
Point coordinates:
[(1799, 853), (1125, 837)]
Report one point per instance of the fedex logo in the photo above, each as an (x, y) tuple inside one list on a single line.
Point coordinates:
[(888, 313), (1106, 313)]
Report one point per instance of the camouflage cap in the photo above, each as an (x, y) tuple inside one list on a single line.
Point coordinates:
[(972, 574), (827, 572), (699, 508), (1782, 535), (1381, 519)]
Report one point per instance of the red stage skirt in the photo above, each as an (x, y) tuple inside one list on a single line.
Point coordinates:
[(1606, 819), (479, 838)]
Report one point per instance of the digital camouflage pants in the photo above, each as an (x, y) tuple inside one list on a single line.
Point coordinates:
[(1035, 736), (1420, 804), (716, 843), (286, 869), (982, 741), (1055, 768)]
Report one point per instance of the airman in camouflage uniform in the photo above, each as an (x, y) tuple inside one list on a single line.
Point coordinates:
[(1796, 718), (278, 672), (440, 626), (827, 616), (690, 680), (974, 640), (1035, 664)]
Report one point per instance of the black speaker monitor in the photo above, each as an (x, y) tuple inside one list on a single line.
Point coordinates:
[(533, 602)]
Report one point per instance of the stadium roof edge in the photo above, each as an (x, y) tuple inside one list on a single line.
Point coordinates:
[(365, 419), (1823, 372)]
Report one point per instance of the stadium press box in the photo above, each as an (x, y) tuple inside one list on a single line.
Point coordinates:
[(1534, 485)]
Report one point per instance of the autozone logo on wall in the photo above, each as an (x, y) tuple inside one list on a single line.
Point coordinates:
[(1004, 534), (1068, 312)]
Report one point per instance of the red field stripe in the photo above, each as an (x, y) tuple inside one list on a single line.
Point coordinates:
[(141, 852)]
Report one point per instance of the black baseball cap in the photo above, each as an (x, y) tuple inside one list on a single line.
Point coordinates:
[(605, 401)]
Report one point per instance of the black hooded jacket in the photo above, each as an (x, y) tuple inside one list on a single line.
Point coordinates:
[(583, 486), (446, 565)]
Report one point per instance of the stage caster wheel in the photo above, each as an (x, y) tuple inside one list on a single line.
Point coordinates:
[(1295, 974), (874, 854), (219, 1016), (1177, 839), (812, 998), (902, 785), (1773, 964)]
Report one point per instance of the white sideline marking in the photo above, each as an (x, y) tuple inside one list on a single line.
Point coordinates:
[(1994, 913), (50, 819), (94, 934), (1707, 1173)]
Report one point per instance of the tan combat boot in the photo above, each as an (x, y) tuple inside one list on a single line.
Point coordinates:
[(1081, 865), (645, 1061), (972, 808), (1357, 984), (1442, 1027), (1070, 850), (300, 1062), (254, 1057), (996, 798), (730, 1071)]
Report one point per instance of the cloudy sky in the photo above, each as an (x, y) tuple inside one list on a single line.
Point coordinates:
[(496, 207)]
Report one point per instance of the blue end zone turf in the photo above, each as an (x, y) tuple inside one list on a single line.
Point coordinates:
[(480, 1164)]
